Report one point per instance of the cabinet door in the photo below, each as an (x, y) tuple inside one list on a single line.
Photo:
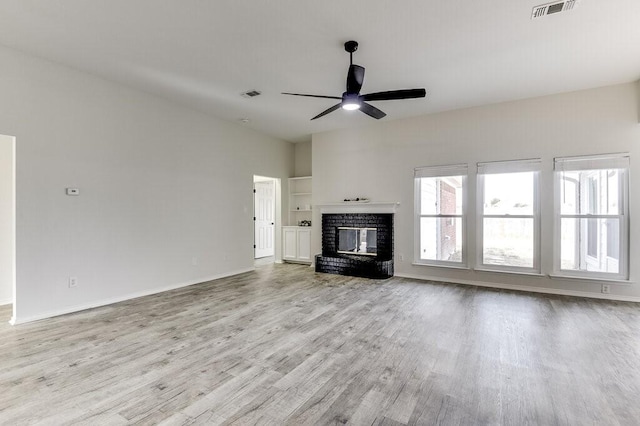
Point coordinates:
[(289, 250), (304, 244)]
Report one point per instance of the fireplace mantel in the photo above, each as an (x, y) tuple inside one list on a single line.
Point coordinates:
[(355, 207)]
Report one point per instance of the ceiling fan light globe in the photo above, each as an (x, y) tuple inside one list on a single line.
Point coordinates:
[(351, 106)]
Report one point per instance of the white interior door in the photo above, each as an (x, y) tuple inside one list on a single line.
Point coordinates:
[(264, 204)]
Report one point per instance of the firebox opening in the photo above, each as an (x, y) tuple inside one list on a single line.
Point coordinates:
[(361, 241)]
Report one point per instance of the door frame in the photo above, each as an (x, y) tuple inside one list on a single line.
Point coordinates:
[(9, 173)]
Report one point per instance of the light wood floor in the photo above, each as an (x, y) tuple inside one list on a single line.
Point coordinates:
[(283, 345)]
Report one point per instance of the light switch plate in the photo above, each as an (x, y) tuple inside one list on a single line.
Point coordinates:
[(73, 191)]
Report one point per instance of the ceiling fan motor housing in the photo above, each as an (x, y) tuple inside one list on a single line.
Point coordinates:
[(350, 101)]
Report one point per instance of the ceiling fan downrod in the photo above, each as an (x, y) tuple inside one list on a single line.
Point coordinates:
[(351, 46)]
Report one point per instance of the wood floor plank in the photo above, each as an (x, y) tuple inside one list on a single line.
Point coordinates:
[(283, 345)]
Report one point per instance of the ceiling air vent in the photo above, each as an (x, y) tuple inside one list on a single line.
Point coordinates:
[(551, 8), (250, 94)]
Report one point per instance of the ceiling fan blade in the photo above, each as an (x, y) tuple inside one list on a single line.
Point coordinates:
[(355, 77), (395, 94), (312, 96), (371, 111), (327, 111)]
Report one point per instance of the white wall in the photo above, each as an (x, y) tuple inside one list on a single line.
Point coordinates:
[(7, 212), (603, 120), (303, 164), (160, 184)]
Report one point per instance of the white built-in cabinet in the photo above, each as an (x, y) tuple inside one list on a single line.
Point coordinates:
[(297, 244), (296, 239)]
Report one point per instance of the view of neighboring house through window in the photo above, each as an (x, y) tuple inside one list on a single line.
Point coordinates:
[(440, 218), (592, 223), (509, 215)]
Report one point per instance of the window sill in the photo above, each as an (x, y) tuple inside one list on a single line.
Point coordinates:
[(596, 279), (440, 265), (502, 271)]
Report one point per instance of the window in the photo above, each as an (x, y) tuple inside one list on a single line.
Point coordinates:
[(592, 216), (440, 215), (509, 215)]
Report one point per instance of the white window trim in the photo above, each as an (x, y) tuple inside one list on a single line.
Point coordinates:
[(593, 162), (440, 171), (515, 166)]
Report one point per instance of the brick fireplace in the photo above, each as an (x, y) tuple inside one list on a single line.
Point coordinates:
[(359, 263)]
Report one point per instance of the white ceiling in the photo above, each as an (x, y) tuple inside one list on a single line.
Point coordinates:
[(204, 53)]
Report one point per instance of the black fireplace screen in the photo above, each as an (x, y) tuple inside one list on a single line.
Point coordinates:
[(357, 241)]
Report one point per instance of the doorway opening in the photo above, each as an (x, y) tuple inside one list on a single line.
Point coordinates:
[(7, 226), (264, 219)]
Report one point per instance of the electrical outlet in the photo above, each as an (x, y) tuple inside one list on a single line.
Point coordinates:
[(194, 261), (401, 257), (606, 288), (73, 282)]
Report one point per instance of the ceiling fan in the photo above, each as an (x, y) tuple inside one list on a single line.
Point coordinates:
[(352, 99)]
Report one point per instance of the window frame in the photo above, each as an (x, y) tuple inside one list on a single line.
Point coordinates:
[(594, 163), (502, 167), (440, 172)]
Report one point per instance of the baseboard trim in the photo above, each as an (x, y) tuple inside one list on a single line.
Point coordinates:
[(6, 302), (525, 288), (105, 302)]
